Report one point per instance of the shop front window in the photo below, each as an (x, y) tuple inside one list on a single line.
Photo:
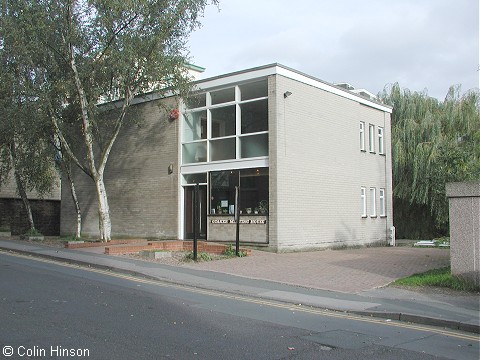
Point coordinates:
[(253, 191)]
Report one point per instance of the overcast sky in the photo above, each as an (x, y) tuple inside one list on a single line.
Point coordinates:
[(421, 44)]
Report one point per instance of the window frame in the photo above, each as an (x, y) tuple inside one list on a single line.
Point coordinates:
[(210, 107), (371, 138), (382, 208), (381, 143), (373, 202), (363, 198), (362, 135)]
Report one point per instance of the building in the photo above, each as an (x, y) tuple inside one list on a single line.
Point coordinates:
[(312, 159)]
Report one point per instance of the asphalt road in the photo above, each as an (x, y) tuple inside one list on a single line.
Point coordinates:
[(52, 310)]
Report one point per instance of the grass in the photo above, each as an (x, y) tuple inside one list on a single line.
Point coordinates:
[(438, 278)]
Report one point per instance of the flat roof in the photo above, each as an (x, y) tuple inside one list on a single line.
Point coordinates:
[(279, 69)]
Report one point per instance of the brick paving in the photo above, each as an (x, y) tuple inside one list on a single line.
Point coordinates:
[(349, 271)]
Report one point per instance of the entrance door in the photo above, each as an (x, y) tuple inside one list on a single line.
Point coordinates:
[(202, 211)]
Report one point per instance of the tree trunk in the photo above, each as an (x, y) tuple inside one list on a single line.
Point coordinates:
[(21, 187), (75, 201), (105, 224)]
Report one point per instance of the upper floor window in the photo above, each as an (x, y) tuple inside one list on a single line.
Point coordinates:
[(362, 136), (381, 149), (226, 124), (371, 137)]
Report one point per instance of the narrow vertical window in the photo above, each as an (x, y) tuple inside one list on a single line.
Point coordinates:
[(371, 137), (362, 136), (381, 197), (373, 209), (380, 141), (363, 201)]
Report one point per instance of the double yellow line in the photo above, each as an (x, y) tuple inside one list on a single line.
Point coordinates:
[(252, 300)]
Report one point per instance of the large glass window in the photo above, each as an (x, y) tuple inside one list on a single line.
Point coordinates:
[(194, 152), (254, 90), (253, 191), (222, 191), (200, 178), (254, 116), (223, 121), (226, 124), (223, 96), (222, 149), (195, 126), (254, 146)]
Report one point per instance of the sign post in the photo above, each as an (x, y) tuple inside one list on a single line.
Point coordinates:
[(237, 220), (195, 220)]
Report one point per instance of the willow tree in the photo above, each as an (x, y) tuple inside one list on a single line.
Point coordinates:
[(433, 143), (98, 51)]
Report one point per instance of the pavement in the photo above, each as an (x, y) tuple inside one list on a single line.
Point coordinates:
[(350, 280)]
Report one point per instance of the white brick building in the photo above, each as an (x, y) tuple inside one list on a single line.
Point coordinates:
[(313, 162)]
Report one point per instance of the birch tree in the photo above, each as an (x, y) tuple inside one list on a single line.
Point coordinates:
[(25, 153), (98, 51)]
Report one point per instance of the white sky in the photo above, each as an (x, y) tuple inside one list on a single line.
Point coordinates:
[(421, 44)]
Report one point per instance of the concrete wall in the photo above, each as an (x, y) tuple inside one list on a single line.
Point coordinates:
[(143, 197), (464, 208), (317, 169)]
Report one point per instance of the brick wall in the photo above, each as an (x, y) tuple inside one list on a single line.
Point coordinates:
[(143, 197), (46, 216), (317, 169)]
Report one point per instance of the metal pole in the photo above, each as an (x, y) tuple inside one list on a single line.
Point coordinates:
[(195, 220), (237, 219)]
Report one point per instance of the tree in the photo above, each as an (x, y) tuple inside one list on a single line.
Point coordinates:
[(433, 143), (99, 51), (24, 147)]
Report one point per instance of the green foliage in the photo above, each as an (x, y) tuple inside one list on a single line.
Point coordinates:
[(438, 278), (433, 143), (230, 252), (201, 256), (70, 56), (33, 232), (71, 238)]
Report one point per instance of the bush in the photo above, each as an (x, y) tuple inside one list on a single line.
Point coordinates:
[(33, 232), (201, 256), (230, 252)]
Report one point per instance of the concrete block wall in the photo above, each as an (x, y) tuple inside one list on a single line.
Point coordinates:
[(317, 169), (464, 211), (142, 195)]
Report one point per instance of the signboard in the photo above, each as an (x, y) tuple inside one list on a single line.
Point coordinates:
[(242, 221)]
